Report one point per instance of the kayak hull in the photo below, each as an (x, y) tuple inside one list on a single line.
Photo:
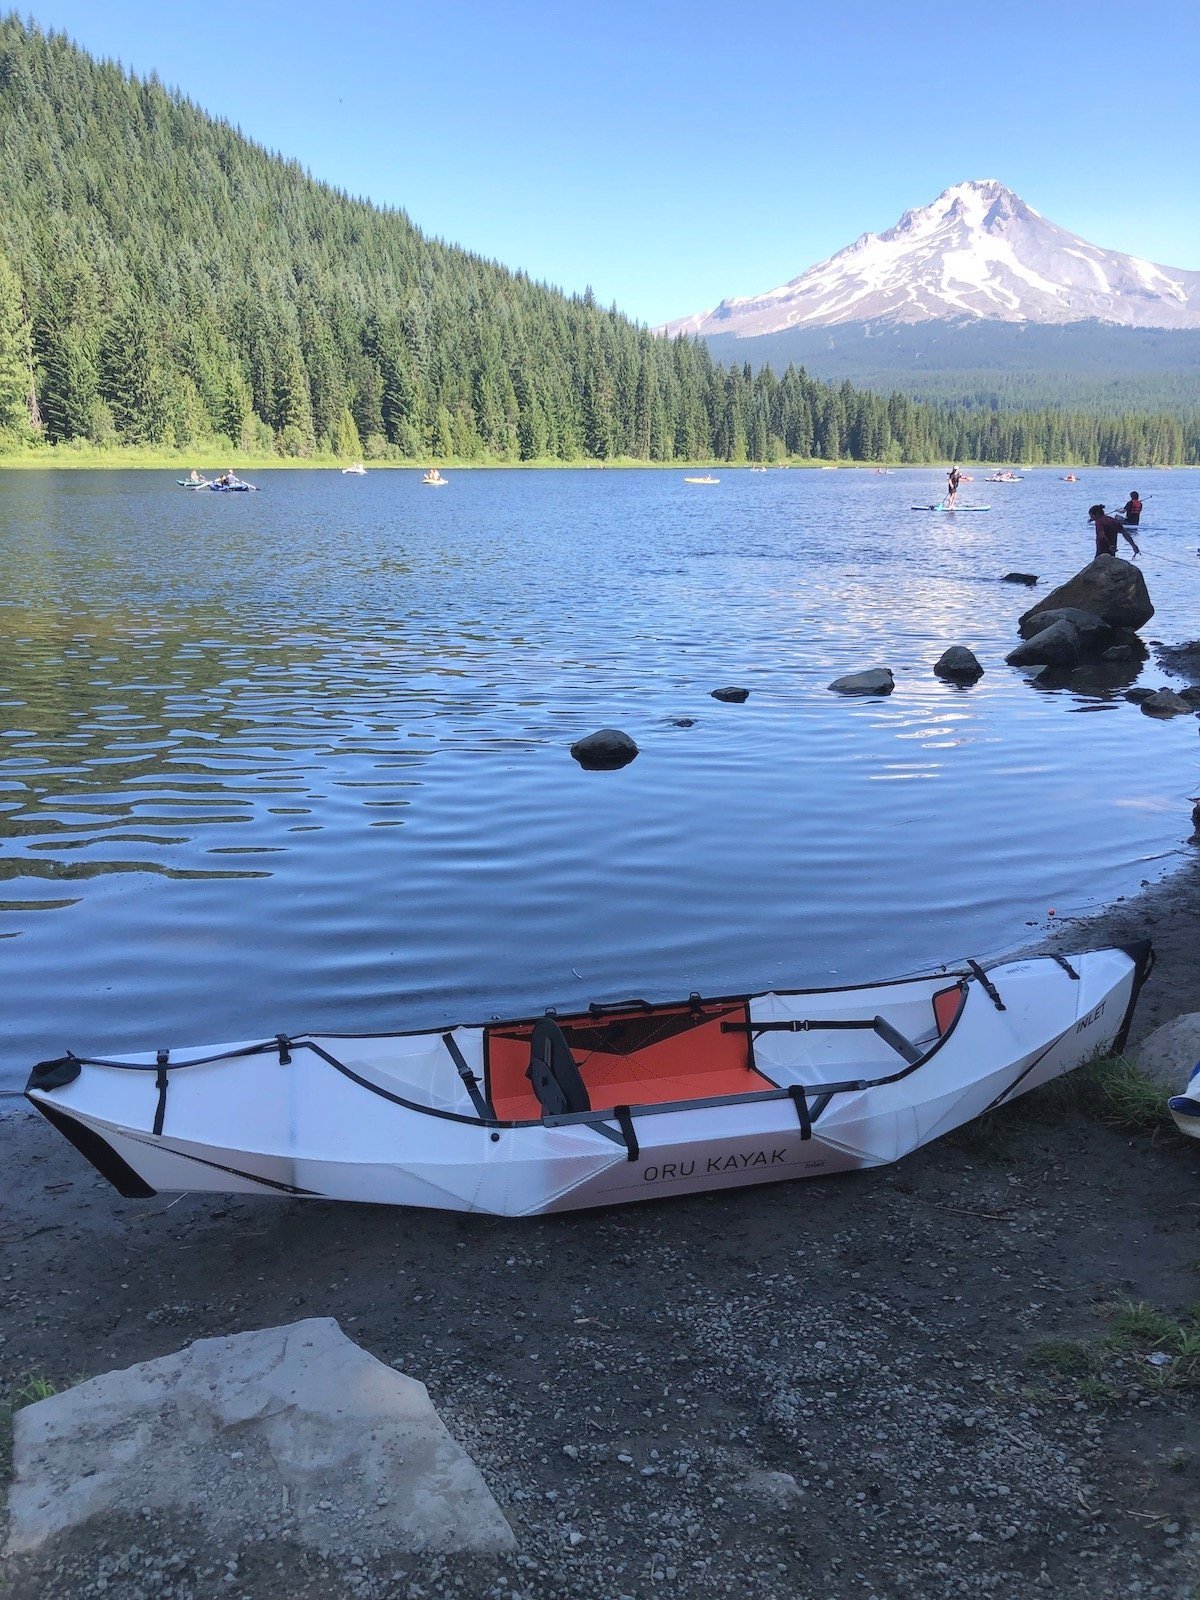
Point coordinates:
[(824, 1082)]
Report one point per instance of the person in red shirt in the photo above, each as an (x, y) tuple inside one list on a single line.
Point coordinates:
[(1107, 529), (1132, 509)]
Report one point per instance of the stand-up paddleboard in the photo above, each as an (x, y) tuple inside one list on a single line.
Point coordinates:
[(950, 510)]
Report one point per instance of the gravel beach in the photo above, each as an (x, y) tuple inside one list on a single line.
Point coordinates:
[(837, 1388)]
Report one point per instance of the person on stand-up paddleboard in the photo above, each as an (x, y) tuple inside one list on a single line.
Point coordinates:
[(1132, 510), (953, 479), (1107, 529)]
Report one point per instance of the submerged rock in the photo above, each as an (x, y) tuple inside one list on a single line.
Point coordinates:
[(1055, 646), (733, 696), (1138, 695), (228, 1430), (1028, 578), (958, 664), (1183, 659), (875, 680), (604, 750), (1112, 589)]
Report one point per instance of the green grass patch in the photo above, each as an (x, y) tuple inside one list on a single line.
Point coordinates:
[(25, 1391), (1113, 1090), (1143, 1349)]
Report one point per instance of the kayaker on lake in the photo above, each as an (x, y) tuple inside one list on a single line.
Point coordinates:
[(1107, 529), (1132, 509), (953, 479)]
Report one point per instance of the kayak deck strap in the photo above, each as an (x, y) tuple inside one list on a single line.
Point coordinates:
[(478, 1099), (989, 988), (890, 1035)]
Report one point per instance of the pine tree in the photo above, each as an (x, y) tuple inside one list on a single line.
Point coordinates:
[(16, 378)]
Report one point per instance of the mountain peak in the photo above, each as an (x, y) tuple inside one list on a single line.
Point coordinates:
[(977, 251)]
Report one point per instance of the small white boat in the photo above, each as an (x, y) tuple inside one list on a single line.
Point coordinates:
[(358, 470), (707, 479), (626, 1101), (1004, 477), (434, 480)]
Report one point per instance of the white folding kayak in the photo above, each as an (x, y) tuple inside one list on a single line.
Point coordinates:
[(626, 1101)]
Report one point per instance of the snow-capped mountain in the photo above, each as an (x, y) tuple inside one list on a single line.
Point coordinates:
[(977, 252)]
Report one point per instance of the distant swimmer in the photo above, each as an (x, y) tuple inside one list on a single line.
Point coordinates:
[(1132, 510), (953, 479), (1107, 529)]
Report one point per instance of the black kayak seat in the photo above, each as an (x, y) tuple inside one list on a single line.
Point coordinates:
[(553, 1071)]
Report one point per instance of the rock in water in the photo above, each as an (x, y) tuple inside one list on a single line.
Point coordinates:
[(604, 750), (228, 1430), (1027, 578), (1112, 589), (1095, 635), (958, 664), (734, 696), (1056, 646), (1166, 703), (876, 680)]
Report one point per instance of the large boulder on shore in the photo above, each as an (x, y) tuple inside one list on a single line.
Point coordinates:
[(1111, 589), (1169, 1054), (293, 1430), (1055, 646)]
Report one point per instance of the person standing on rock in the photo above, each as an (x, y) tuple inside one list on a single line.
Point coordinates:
[(1107, 529)]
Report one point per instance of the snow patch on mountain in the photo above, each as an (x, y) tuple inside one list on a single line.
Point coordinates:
[(977, 251)]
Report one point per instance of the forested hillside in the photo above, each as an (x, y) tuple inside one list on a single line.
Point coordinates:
[(165, 282), (1081, 366)]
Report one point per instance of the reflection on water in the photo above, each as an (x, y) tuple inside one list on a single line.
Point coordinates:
[(300, 758)]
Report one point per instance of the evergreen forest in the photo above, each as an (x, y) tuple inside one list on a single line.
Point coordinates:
[(166, 283)]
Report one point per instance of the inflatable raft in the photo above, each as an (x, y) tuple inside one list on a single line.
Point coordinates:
[(626, 1101)]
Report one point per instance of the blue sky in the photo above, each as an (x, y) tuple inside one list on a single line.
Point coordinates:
[(671, 154)]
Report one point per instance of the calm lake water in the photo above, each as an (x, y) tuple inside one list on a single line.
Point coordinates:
[(299, 759)]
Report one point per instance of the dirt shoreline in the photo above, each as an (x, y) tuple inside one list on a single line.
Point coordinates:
[(827, 1389)]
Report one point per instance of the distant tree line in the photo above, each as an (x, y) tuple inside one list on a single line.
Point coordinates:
[(165, 282)]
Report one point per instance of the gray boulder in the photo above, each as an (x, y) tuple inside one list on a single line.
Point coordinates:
[(1192, 695), (1166, 703), (1169, 1053), (604, 750), (876, 680), (958, 664), (732, 696), (1027, 578), (1112, 589), (1094, 634), (294, 1421), (1138, 695), (1055, 646)]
